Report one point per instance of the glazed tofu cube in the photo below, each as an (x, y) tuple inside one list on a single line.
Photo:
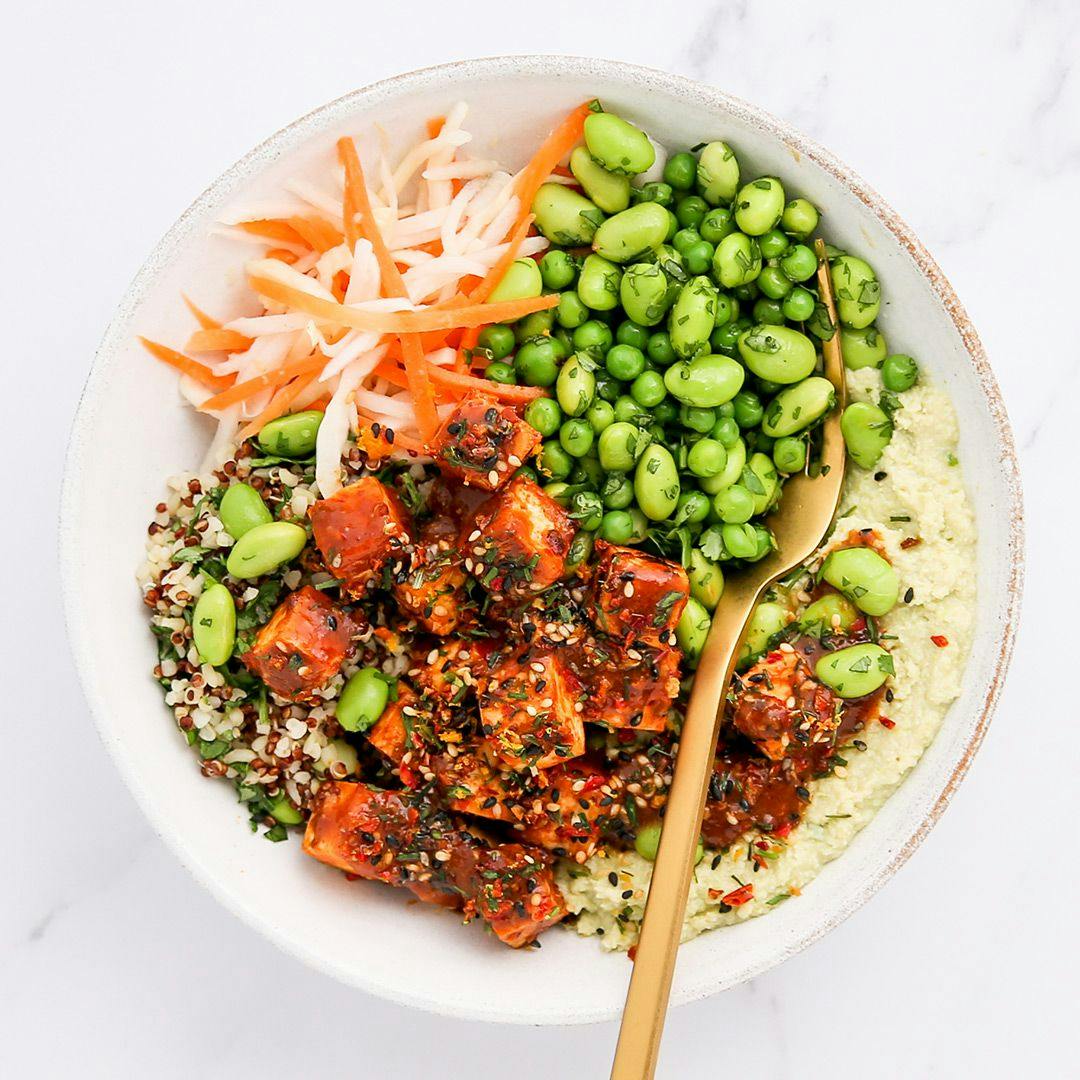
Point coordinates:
[(482, 443), (782, 708), (303, 645), (637, 597), (358, 531), (447, 671), (528, 715), (513, 889), (432, 588), (518, 540), (390, 734)]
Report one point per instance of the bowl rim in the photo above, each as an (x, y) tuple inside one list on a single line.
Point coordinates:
[(554, 65)]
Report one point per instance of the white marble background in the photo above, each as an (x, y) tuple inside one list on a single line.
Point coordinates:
[(966, 116)]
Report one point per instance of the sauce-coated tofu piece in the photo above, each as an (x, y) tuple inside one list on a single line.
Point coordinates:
[(358, 531), (637, 597), (303, 645), (527, 713), (518, 540), (432, 588), (483, 443)]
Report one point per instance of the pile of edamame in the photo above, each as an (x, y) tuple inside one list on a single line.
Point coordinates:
[(683, 358)]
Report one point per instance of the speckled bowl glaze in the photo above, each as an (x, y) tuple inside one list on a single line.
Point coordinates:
[(132, 431)]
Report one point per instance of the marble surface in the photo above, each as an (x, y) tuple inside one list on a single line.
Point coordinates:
[(966, 116)]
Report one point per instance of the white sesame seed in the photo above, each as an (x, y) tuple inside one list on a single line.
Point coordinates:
[(628, 589)]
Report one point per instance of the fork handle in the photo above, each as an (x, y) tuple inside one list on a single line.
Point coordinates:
[(661, 928)]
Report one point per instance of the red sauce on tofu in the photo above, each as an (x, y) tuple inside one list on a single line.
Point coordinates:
[(482, 443)]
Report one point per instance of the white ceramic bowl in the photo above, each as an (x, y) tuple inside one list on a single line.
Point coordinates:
[(132, 431)]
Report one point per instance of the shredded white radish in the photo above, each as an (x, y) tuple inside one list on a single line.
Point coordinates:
[(327, 204), (277, 271), (465, 169), (193, 391), (258, 325), (333, 435), (655, 172), (232, 233), (223, 445), (354, 345), (365, 276), (331, 263)]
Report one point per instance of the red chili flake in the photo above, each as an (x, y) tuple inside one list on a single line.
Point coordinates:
[(740, 896), (940, 640), (885, 722), (783, 830), (625, 736), (631, 953), (594, 781), (910, 542), (859, 625), (761, 845)]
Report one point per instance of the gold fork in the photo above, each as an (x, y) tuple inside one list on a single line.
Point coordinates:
[(808, 508)]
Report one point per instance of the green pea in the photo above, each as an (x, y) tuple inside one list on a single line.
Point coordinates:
[(692, 630), (858, 291), (576, 437), (624, 362), (766, 542), (740, 541), (564, 216), (685, 239), (213, 625), (586, 508), (544, 414), (698, 257), (692, 318), (242, 509), (522, 281), (798, 407), (800, 218), (632, 233), (537, 324), (737, 260), (610, 191), (559, 490), (292, 436), (864, 577), (798, 304), (692, 508), (899, 373), (777, 353), (726, 431), (707, 457), (593, 337), (768, 312), (656, 483), (598, 284), (867, 430), (558, 269), (680, 171), (264, 548), (768, 620), (600, 415), (633, 334), (694, 419), (673, 226), (554, 461), (575, 387), (706, 580), (748, 409), (627, 409), (617, 145), (862, 348), (648, 389), (761, 479), (734, 505), (644, 293), (799, 263), (759, 205), (617, 491), (733, 470), (571, 312), (362, 700), (718, 173), (773, 282), (641, 525), (589, 472), (580, 550), (498, 372), (716, 224), (706, 381), (654, 192), (617, 527), (789, 455), (855, 671), (659, 349), (620, 445), (690, 211), (535, 362), (773, 244), (282, 809), (497, 341), (727, 308), (827, 615)]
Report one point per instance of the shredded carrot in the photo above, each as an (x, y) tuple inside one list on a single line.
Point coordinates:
[(273, 229), (218, 340), (317, 233), (207, 322), (266, 381), (392, 373), (416, 373), (434, 126), (553, 149), (467, 343), (279, 405), (492, 278), (188, 366), (505, 392), (282, 255), (381, 445)]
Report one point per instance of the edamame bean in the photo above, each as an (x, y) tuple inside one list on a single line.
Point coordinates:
[(736, 462), (864, 577), (564, 216), (706, 381), (778, 353), (656, 483), (632, 233), (867, 430), (644, 292), (264, 548), (789, 455), (598, 284), (362, 700), (655, 192), (617, 145), (768, 620), (899, 373), (544, 414), (609, 191), (522, 281), (647, 844), (855, 671), (734, 505), (718, 173), (692, 630), (858, 292), (558, 269), (213, 625), (692, 318), (575, 387), (800, 218), (828, 614), (862, 348), (292, 436), (620, 446), (759, 205), (242, 509), (761, 480), (737, 260), (706, 580), (707, 457), (798, 407), (740, 541)]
